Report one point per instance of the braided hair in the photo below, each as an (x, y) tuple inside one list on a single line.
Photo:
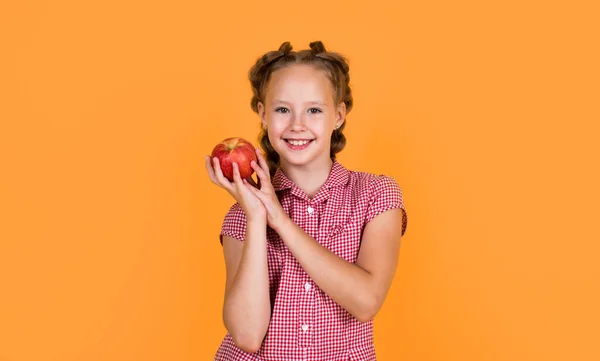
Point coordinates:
[(333, 64)]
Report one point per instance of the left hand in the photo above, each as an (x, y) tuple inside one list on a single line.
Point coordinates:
[(264, 190)]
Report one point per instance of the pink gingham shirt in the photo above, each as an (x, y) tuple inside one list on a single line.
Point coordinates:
[(306, 324)]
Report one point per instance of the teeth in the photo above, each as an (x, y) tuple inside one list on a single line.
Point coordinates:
[(298, 142)]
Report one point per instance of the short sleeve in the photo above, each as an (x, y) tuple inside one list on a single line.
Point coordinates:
[(386, 194), (234, 223)]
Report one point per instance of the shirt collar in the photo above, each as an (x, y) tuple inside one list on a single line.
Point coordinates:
[(338, 176)]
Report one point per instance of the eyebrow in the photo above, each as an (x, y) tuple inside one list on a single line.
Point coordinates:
[(312, 102)]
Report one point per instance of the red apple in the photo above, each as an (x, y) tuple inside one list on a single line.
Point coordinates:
[(237, 150)]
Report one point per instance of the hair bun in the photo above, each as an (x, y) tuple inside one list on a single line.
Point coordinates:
[(317, 47), (285, 48)]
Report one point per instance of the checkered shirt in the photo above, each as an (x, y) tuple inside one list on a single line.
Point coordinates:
[(306, 324)]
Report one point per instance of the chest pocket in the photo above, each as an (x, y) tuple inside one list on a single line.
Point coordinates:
[(344, 240)]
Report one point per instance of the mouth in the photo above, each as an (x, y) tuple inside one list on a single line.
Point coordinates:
[(298, 144)]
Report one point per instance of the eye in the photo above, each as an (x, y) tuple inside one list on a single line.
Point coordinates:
[(311, 110)]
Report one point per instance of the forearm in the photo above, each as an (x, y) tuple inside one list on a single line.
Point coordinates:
[(346, 283), (247, 308)]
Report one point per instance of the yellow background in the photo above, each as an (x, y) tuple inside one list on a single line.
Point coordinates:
[(485, 112)]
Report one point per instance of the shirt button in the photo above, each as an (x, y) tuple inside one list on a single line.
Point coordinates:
[(310, 210), (307, 286), (304, 328)]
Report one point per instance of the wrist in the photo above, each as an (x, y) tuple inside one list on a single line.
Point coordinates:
[(256, 231), (256, 221), (283, 223)]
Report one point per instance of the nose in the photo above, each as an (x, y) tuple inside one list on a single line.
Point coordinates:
[(297, 122)]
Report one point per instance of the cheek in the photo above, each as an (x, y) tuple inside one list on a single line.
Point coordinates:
[(276, 130), (275, 136), (322, 129)]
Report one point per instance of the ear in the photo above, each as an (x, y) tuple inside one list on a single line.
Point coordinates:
[(261, 113), (340, 115)]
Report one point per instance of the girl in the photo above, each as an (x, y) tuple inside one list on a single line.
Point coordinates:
[(311, 249)]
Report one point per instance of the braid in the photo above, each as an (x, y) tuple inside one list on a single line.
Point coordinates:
[(259, 73), (337, 62), (271, 156), (338, 139)]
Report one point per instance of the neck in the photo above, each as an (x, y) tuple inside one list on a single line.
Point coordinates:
[(309, 177)]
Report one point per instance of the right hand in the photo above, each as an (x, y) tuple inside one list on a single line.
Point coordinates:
[(251, 204)]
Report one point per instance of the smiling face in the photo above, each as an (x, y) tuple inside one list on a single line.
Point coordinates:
[(300, 114)]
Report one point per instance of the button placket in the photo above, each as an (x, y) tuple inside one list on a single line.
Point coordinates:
[(308, 211), (307, 313)]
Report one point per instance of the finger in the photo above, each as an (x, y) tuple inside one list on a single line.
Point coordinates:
[(254, 190), (241, 185), (262, 175), (237, 179), (212, 173), (263, 163), (224, 182), (210, 170)]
